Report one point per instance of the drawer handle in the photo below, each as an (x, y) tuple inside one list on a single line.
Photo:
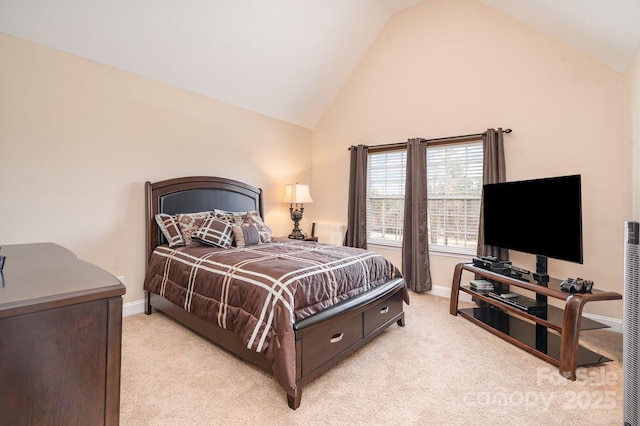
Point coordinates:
[(384, 310), (336, 338)]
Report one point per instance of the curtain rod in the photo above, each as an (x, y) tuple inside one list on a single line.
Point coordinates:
[(462, 138)]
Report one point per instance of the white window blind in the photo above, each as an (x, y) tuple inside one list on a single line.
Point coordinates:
[(454, 187), (385, 196)]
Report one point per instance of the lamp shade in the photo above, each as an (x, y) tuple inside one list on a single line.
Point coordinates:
[(296, 194)]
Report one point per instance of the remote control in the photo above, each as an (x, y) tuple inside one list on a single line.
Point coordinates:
[(522, 271)]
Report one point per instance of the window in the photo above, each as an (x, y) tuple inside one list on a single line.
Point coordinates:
[(454, 180), (385, 196)]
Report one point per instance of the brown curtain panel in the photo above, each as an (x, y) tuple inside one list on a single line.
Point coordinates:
[(415, 240), (357, 213), (494, 171)]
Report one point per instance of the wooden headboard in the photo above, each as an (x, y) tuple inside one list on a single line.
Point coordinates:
[(195, 194)]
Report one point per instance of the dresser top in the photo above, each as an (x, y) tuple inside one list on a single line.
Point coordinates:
[(46, 275)]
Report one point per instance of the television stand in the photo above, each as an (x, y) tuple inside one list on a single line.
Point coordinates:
[(551, 334)]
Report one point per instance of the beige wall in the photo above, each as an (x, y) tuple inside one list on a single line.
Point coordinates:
[(78, 140), (632, 135), (456, 67)]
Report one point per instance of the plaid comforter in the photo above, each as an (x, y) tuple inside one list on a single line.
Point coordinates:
[(260, 291)]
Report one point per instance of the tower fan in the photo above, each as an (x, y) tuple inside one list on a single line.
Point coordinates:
[(630, 337)]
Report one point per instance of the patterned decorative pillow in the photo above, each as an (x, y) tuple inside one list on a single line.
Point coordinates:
[(214, 232), (235, 218), (189, 224), (253, 218), (169, 226), (246, 235)]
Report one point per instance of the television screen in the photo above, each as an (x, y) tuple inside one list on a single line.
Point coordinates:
[(540, 216)]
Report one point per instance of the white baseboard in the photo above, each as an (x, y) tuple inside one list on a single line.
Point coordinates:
[(438, 290), (132, 308), (614, 323)]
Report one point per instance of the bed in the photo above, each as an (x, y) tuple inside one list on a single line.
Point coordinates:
[(292, 308)]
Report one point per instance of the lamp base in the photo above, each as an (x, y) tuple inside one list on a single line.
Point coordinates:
[(297, 234), (296, 216)]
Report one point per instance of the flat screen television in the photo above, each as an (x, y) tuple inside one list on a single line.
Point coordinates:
[(539, 216)]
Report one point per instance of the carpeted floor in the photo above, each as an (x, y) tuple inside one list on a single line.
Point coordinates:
[(438, 370)]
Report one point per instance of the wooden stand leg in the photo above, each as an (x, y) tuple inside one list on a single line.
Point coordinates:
[(147, 303), (570, 335), (294, 400), (455, 288)]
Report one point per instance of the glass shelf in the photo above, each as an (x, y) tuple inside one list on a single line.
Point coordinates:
[(528, 335), (554, 315)]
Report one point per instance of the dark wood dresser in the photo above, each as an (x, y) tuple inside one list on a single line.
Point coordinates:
[(60, 338)]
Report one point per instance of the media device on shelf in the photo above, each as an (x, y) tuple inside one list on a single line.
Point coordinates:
[(518, 271), (538, 216), (523, 303), (491, 263), (481, 285), (504, 267)]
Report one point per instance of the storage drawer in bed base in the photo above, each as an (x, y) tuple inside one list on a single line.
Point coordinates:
[(321, 346), (381, 314), (329, 341)]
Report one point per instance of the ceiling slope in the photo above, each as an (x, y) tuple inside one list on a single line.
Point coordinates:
[(608, 31), (283, 58), (287, 59)]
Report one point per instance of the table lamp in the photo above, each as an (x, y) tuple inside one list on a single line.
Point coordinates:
[(296, 195)]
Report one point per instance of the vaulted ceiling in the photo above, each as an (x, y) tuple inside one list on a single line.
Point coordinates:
[(286, 59)]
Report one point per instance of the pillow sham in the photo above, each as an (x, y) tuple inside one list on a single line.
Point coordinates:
[(253, 218), (168, 224), (246, 235), (234, 218), (189, 223), (214, 232)]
